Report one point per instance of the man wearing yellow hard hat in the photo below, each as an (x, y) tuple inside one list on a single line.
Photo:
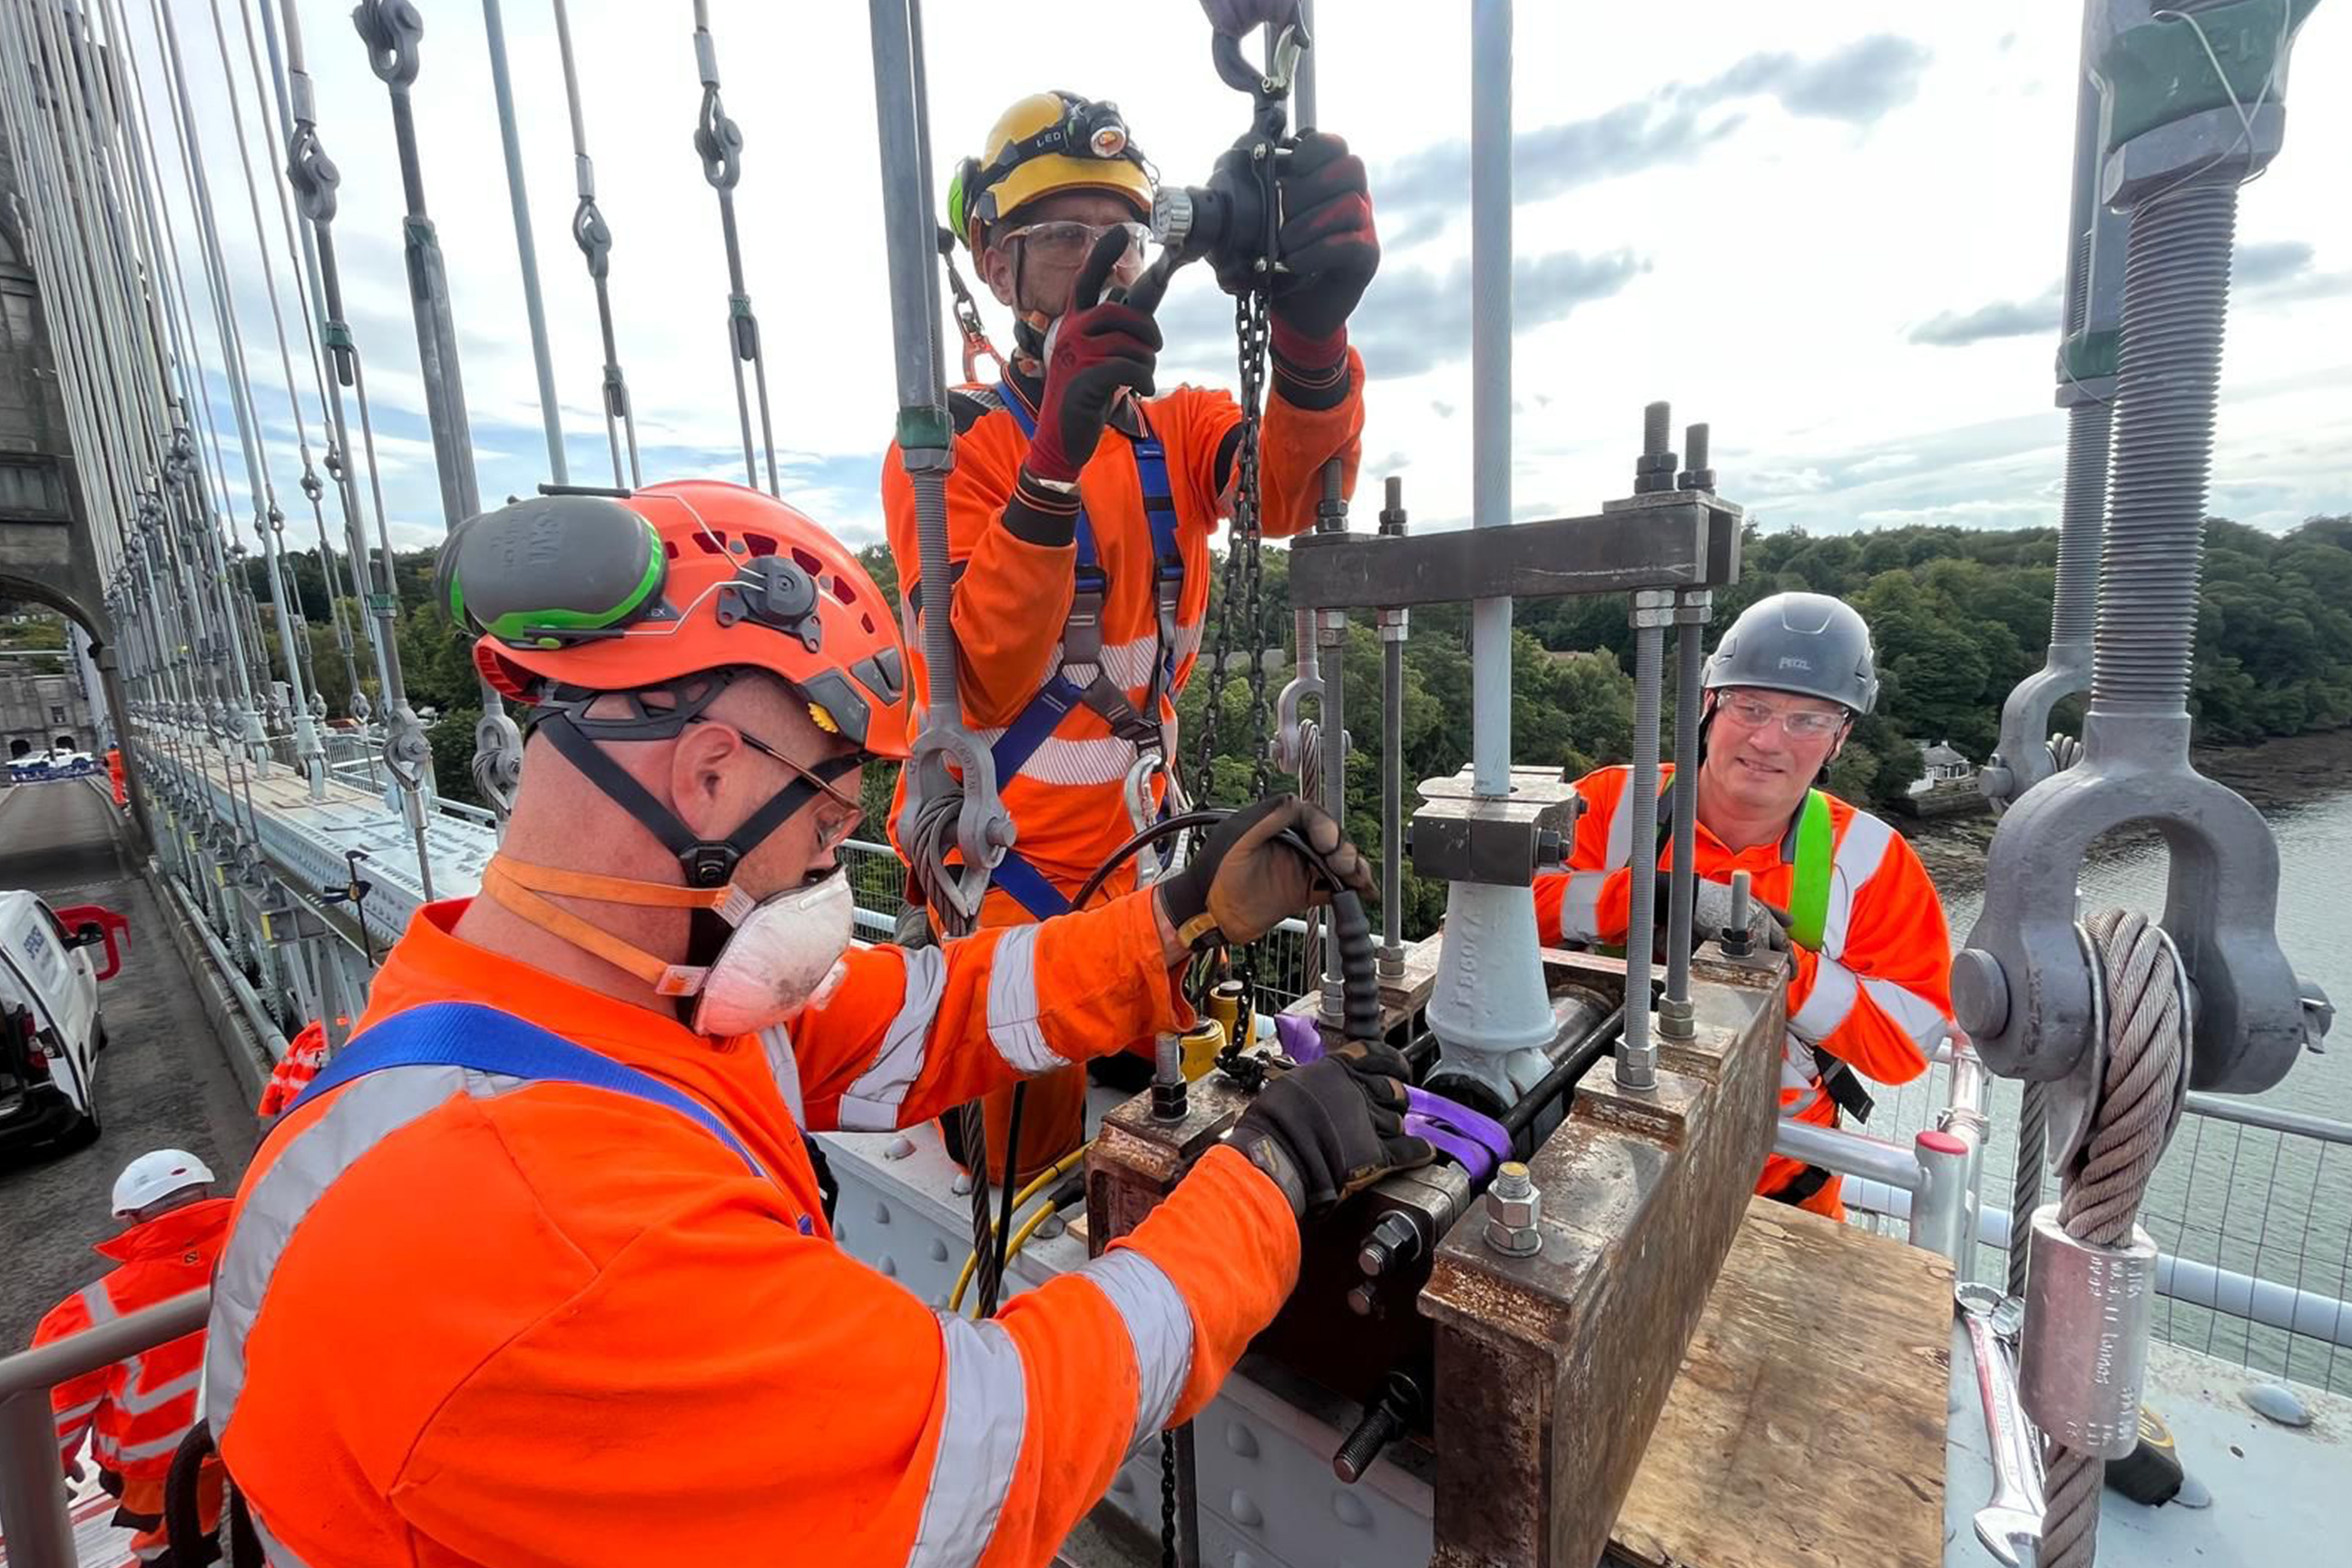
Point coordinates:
[(1083, 499)]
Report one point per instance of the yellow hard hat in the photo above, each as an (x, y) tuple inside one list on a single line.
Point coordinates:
[(1048, 142)]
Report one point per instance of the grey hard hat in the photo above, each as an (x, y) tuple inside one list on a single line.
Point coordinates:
[(1810, 644)]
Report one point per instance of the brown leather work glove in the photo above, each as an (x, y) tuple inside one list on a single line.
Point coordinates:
[(1246, 881)]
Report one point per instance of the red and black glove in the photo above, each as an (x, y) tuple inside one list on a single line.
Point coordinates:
[(1097, 352), (1329, 248)]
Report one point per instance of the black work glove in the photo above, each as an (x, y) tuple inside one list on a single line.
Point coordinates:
[(1244, 881), (1099, 350), (1767, 924), (1332, 1128), (1328, 243)]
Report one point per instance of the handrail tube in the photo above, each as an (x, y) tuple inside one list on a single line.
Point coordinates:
[(34, 1517), (60, 1360), (1848, 1154), (2269, 1303), (2271, 1118)]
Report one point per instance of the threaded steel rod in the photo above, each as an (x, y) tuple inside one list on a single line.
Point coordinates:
[(2176, 299)]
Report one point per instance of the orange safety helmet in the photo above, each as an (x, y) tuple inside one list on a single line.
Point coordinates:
[(581, 592)]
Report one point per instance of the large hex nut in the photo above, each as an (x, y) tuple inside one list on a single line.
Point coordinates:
[(1511, 1223)]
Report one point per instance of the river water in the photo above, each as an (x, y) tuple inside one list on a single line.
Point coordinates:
[(2254, 1201)]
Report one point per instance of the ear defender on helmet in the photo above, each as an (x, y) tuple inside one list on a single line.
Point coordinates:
[(553, 571)]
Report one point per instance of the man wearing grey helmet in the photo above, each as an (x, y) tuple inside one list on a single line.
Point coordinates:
[(1835, 888)]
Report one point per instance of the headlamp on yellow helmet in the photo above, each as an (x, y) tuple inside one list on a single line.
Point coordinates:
[(1048, 143)]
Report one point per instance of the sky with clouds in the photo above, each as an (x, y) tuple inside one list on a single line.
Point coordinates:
[(1833, 230)]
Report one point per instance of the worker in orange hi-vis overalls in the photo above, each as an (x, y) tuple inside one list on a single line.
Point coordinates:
[(135, 1411), (1833, 885), (1081, 504), (538, 1269)]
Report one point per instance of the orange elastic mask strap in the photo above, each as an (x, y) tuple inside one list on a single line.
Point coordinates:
[(517, 884)]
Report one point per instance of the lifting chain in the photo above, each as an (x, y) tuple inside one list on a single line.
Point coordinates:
[(1244, 565)]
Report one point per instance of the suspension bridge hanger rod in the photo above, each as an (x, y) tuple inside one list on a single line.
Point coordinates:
[(313, 489), (392, 30), (269, 521), (719, 141), (526, 250), (407, 753), (594, 237)]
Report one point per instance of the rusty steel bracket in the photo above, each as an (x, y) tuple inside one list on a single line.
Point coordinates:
[(1551, 1369)]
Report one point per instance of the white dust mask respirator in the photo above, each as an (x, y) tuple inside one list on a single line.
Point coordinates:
[(750, 964), (783, 955)]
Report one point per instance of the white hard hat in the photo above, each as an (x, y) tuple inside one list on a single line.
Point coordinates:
[(150, 1178)]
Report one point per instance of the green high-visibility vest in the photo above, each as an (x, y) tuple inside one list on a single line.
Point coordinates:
[(1809, 894)]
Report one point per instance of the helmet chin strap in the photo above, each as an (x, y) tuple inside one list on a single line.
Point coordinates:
[(708, 863)]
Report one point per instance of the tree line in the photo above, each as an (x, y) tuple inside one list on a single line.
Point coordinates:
[(1959, 616)]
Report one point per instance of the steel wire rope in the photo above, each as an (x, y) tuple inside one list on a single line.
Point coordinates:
[(2099, 1197)]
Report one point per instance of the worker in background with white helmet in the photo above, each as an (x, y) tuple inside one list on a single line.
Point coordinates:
[(1833, 885), (1084, 495), (135, 1411)]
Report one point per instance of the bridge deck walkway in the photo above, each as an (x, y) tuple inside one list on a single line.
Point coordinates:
[(163, 1080)]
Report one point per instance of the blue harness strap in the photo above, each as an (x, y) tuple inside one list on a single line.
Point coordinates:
[(1060, 694), (484, 1040)]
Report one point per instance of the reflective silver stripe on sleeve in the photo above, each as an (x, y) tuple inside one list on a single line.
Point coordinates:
[(1579, 906), (79, 1413), (355, 1121), (1012, 1007), (132, 1453), (1828, 1005), (1621, 829), (982, 1428), (136, 1401), (271, 1547), (871, 1104), (1158, 1328), (1856, 862), (1912, 1012), (97, 1302)]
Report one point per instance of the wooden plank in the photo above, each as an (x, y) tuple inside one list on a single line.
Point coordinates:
[(1807, 1423)]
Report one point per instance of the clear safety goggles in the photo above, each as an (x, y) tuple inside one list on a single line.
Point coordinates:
[(1066, 242), (1801, 723)]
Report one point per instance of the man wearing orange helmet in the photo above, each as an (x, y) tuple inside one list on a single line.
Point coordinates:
[(1081, 506), (538, 1269)]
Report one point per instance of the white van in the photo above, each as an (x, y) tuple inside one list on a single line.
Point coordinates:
[(50, 1032)]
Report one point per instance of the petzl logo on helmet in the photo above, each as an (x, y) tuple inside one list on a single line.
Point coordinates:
[(1789, 661)]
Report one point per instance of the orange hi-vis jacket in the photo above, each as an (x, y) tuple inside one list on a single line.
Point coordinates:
[(468, 1320), (137, 1410), (1877, 996), (1012, 596)]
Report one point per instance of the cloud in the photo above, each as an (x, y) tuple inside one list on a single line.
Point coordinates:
[(1857, 84), (1853, 85), (1417, 319), (2001, 318), (2269, 262), (2271, 271), (1412, 320)]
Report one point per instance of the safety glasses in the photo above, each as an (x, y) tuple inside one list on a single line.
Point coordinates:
[(1066, 242), (1801, 723), (831, 835)]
